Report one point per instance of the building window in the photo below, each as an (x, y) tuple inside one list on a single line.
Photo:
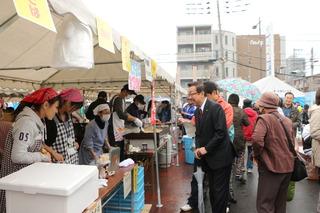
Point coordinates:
[(233, 41), (203, 31), (226, 40), (185, 49), (186, 67), (217, 41), (234, 72), (184, 83), (185, 31), (217, 54), (203, 48), (227, 72), (217, 71), (233, 57), (203, 67), (226, 55)]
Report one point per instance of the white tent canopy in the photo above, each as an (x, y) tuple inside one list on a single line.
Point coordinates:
[(273, 84), (29, 47)]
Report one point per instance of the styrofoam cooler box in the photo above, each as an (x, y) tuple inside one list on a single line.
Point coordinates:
[(51, 188)]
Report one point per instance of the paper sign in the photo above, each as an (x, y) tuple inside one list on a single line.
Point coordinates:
[(135, 178), (125, 54), (105, 35), (154, 68), (135, 76), (153, 104), (126, 184), (147, 63), (36, 11)]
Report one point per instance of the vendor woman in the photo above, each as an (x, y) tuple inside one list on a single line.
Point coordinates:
[(60, 141), (25, 141), (96, 135)]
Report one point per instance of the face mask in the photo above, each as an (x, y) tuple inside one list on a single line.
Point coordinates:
[(140, 106), (105, 117)]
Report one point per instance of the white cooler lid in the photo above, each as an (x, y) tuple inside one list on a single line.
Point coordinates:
[(49, 178)]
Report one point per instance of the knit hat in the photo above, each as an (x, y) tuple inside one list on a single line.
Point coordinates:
[(72, 95), (40, 96), (269, 100)]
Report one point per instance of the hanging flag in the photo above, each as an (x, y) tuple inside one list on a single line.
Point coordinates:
[(36, 11), (105, 35), (135, 76), (147, 63), (153, 104), (154, 68), (125, 54)]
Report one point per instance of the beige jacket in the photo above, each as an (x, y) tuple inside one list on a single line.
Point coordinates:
[(314, 120)]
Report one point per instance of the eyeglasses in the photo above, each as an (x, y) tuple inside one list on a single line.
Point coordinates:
[(192, 94)]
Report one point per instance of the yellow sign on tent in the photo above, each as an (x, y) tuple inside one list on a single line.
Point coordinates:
[(154, 67), (105, 35), (125, 54), (36, 11)]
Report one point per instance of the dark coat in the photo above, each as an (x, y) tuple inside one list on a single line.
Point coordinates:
[(240, 119), (212, 133)]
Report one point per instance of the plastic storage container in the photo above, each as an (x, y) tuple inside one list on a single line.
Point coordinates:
[(120, 205), (188, 149), (51, 188)]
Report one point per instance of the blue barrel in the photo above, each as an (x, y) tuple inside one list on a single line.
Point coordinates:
[(188, 149)]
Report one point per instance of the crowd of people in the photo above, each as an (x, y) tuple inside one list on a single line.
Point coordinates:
[(41, 129), (229, 139)]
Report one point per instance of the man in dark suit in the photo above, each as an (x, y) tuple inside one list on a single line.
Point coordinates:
[(214, 151)]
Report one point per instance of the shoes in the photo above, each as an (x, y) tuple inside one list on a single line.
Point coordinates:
[(228, 210), (186, 208), (233, 200), (249, 171)]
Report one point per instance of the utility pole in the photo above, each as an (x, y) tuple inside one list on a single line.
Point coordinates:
[(221, 44), (312, 61)]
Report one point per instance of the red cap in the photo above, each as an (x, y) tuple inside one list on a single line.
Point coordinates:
[(71, 94), (40, 96)]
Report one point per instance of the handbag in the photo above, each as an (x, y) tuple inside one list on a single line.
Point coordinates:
[(299, 169)]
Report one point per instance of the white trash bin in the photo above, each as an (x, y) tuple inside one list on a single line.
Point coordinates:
[(51, 188)]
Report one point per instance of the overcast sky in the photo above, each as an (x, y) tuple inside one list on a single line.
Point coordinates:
[(151, 24)]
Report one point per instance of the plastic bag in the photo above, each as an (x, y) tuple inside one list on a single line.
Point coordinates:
[(291, 191), (73, 45)]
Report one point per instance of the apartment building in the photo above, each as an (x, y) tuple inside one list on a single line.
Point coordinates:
[(199, 56)]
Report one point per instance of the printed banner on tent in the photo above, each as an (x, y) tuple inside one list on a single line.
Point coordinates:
[(147, 63), (154, 68), (153, 104), (125, 54), (135, 76), (105, 35), (36, 11)]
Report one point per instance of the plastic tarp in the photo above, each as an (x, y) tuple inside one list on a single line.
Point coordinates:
[(29, 46), (274, 84)]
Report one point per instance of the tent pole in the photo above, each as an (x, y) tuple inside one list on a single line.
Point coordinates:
[(159, 205)]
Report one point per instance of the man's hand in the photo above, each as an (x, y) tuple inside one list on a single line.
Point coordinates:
[(202, 151), (199, 152)]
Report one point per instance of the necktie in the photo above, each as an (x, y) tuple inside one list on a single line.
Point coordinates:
[(201, 113)]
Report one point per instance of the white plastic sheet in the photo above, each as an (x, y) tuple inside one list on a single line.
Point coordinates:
[(74, 45), (199, 175)]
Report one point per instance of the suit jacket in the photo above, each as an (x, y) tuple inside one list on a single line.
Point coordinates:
[(212, 133)]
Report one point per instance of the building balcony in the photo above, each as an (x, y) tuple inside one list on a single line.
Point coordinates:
[(203, 38), (185, 39), (197, 56)]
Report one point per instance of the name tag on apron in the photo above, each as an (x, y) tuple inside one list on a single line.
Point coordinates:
[(71, 150)]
